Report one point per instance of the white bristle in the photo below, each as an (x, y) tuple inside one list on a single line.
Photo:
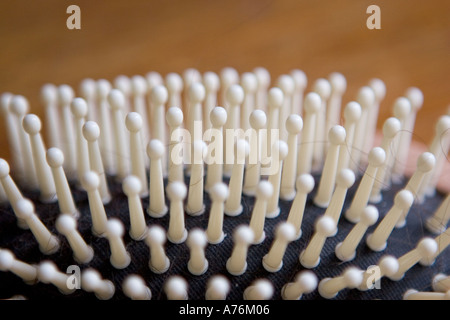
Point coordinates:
[(376, 159), (218, 194), (377, 241), (55, 159), (379, 89), (134, 122), (263, 78), (176, 192), (157, 206), (197, 242), (174, 119), (123, 83), (139, 90), (330, 287), (11, 131), (249, 84), (65, 97), (323, 88), (275, 99), (155, 240), (32, 125), (304, 185), (263, 193), (8, 262), (243, 237), (119, 256), (305, 282), (217, 288), (387, 266), (49, 99), (300, 83), (260, 289), (228, 77), (211, 82), (233, 205), (48, 273), (258, 121), (135, 288), (336, 138), (425, 163), (294, 125), (90, 181), (92, 281), (88, 91), (279, 153), (174, 84), (176, 288), (441, 283), (338, 84), (159, 97), (287, 85), (437, 223), (443, 241), (413, 294), (195, 205), (91, 132), (67, 226), (196, 95), (79, 110), (132, 187), (284, 234)]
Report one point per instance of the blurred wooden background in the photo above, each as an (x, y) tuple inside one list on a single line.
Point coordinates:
[(134, 37)]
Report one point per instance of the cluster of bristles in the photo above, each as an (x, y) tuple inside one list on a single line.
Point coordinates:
[(129, 130)]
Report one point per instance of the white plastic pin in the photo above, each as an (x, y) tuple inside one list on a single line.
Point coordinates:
[(88, 91), (214, 169), (49, 98), (65, 97), (387, 266), (67, 226), (324, 227), (91, 183), (376, 159), (48, 273), (55, 159), (323, 88), (287, 85), (211, 82), (294, 125), (284, 234), (413, 294), (338, 84), (79, 110), (19, 107), (135, 288), (174, 119), (123, 83), (159, 97), (195, 205), (153, 78), (437, 223), (190, 76), (377, 241), (366, 99), (234, 97), (352, 113), (139, 90), (441, 283), (275, 98), (379, 89), (258, 121), (330, 287), (243, 237), (217, 288), (155, 240), (390, 129), (425, 249), (336, 138), (263, 78), (117, 103), (176, 192), (91, 281), (8, 262), (119, 258), (346, 250), (32, 125), (260, 289), (11, 190), (197, 242), (218, 194), (443, 241), (196, 93), (249, 83), (91, 132), (263, 193), (305, 282), (10, 125), (133, 122), (174, 85), (233, 206), (304, 185), (344, 180), (132, 187), (425, 163), (157, 206), (228, 76), (311, 106), (300, 83), (279, 152), (176, 288)]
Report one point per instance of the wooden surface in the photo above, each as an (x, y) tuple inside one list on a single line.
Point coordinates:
[(319, 37)]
